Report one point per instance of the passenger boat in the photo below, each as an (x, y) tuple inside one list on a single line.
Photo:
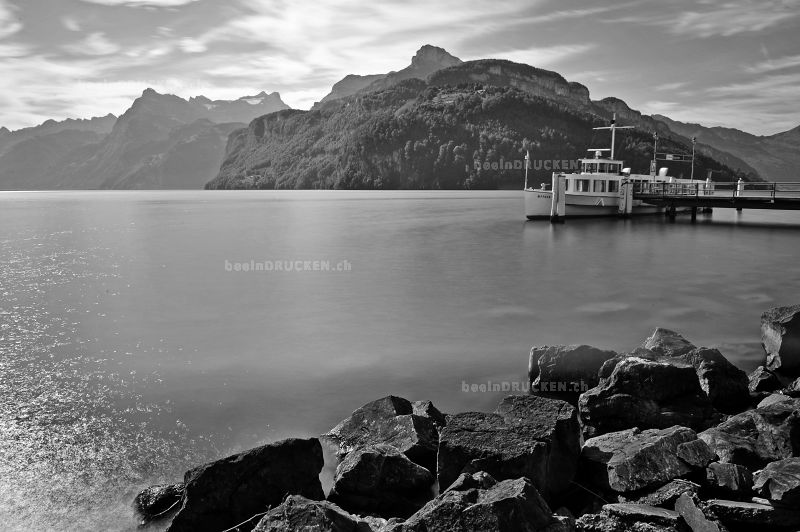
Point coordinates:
[(598, 189)]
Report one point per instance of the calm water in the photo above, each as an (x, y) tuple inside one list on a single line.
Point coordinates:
[(128, 353)]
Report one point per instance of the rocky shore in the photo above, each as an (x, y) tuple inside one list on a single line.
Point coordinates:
[(667, 437)]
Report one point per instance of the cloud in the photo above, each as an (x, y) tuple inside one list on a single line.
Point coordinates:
[(94, 44), (770, 65), (9, 23), (71, 23), (544, 56), (713, 18), (142, 3)]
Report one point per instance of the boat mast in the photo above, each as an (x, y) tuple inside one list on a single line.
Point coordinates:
[(527, 165), (613, 127)]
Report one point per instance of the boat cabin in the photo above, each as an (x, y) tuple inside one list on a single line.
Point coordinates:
[(601, 166)]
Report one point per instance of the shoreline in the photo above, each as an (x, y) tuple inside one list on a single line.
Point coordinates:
[(661, 435)]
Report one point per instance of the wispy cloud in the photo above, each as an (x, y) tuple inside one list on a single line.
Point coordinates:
[(770, 65), (544, 56), (142, 3), (9, 23), (93, 44)]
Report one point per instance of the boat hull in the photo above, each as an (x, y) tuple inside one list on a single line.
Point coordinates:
[(538, 204)]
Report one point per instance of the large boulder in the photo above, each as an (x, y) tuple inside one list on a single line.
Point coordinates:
[(743, 515), (565, 371), (381, 480), (780, 336), (527, 436), (297, 513), (642, 513), (508, 506), (390, 420), (667, 343), (605, 522), (631, 459), (224, 493), (725, 385), (157, 501), (663, 496), (757, 437), (780, 482), (467, 481), (647, 394), (728, 480)]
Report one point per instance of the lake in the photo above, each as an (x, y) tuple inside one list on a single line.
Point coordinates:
[(134, 345)]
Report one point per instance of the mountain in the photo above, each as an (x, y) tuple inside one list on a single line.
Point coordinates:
[(426, 61), (774, 157), (100, 125), (161, 141), (444, 132)]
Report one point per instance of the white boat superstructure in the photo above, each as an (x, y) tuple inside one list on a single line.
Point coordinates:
[(598, 189)]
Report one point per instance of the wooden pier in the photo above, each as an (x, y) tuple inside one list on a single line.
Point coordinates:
[(712, 195)]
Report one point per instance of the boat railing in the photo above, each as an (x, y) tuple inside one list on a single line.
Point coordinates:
[(718, 189)]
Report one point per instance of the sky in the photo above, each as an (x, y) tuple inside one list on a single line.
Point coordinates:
[(732, 63)]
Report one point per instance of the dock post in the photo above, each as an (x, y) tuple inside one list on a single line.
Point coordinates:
[(671, 213), (694, 214), (558, 202), (625, 199)]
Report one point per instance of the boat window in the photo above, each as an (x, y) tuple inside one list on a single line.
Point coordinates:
[(599, 185), (582, 185), (613, 186), (602, 168), (566, 184)]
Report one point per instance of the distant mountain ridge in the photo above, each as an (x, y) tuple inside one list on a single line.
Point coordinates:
[(161, 141), (437, 130), (774, 157)]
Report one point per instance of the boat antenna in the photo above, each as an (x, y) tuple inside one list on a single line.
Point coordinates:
[(613, 127), (527, 165)]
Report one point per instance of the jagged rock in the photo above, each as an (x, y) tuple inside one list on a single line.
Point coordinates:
[(725, 385), (668, 343), (427, 410), (740, 515), (530, 436), (756, 437), (763, 380), (603, 522), (693, 516), (646, 394), (156, 501), (221, 494), (728, 480), (772, 399), (780, 336), (631, 460), (664, 496), (509, 506), (780, 482), (390, 420), (565, 371), (381, 480), (298, 513), (642, 513), (480, 480), (793, 390)]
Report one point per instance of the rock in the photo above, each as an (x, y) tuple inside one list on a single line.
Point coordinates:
[(780, 482), (780, 336), (480, 480), (390, 420), (565, 371), (668, 343), (763, 380), (741, 515), (729, 480), (793, 390), (693, 517), (427, 410), (772, 399), (527, 436), (156, 501), (631, 460), (664, 496), (298, 513), (508, 506), (381, 480), (725, 385), (646, 394), (221, 494), (642, 513), (756, 437)]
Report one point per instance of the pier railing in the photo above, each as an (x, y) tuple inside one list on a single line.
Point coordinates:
[(716, 190)]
